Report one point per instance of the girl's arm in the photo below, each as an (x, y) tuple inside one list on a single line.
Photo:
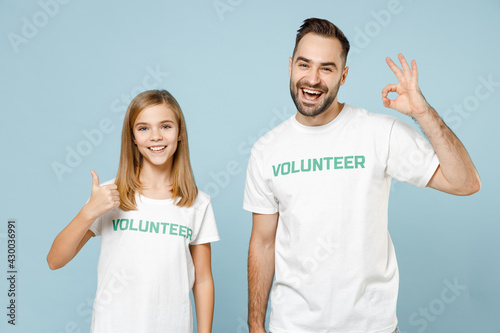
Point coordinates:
[(69, 241), (203, 288)]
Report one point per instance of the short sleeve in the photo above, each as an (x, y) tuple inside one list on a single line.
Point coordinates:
[(411, 157), (258, 197), (207, 228)]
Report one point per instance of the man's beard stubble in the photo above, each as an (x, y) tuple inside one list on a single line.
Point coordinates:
[(327, 102)]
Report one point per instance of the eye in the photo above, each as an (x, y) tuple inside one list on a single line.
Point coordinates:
[(142, 128), (166, 126), (326, 69)]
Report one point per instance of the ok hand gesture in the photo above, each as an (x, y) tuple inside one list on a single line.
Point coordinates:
[(410, 101)]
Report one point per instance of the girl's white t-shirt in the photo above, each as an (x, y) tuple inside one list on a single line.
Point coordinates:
[(336, 268), (145, 271)]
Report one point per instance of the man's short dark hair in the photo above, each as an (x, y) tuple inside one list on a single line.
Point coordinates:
[(322, 28)]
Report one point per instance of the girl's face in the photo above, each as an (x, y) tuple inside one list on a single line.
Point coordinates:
[(156, 134)]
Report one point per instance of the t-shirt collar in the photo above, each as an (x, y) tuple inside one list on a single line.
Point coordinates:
[(340, 118)]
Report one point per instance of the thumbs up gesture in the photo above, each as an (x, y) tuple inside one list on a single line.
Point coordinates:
[(102, 198)]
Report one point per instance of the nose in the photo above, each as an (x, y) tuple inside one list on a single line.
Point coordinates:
[(314, 77), (155, 135)]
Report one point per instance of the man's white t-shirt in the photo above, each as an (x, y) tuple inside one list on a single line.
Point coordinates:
[(335, 266), (145, 271)]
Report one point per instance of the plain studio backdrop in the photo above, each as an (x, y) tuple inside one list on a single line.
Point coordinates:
[(70, 68)]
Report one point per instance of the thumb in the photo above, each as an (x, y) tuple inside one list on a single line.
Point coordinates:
[(388, 103), (95, 178)]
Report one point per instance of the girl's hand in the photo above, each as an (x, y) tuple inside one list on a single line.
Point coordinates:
[(102, 198)]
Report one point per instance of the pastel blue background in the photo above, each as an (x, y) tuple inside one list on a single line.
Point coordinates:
[(228, 68)]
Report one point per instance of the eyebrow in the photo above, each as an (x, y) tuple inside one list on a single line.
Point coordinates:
[(331, 63), (161, 122)]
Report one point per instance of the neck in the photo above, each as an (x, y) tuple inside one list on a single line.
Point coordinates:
[(156, 176), (322, 119)]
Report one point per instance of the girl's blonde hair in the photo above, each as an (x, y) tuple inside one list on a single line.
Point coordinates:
[(129, 169)]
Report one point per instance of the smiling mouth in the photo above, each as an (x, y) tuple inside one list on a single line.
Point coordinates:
[(311, 95), (157, 148)]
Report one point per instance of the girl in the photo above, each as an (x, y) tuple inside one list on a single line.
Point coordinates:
[(155, 228)]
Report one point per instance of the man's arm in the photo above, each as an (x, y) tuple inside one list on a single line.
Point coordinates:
[(456, 173), (260, 268)]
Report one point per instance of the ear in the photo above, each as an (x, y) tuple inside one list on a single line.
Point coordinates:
[(290, 67), (344, 75)]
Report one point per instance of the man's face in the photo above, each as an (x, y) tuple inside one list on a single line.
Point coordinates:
[(316, 73)]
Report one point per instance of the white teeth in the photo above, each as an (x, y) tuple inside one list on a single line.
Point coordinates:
[(312, 91), (156, 148)]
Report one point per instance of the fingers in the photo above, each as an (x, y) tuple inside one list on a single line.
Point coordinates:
[(389, 88), (103, 198), (116, 198), (404, 64), (406, 72), (111, 191), (395, 69), (414, 71), (95, 178), (111, 186), (116, 203), (387, 102), (110, 196)]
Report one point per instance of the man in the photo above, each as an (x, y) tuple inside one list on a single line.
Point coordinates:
[(318, 186)]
